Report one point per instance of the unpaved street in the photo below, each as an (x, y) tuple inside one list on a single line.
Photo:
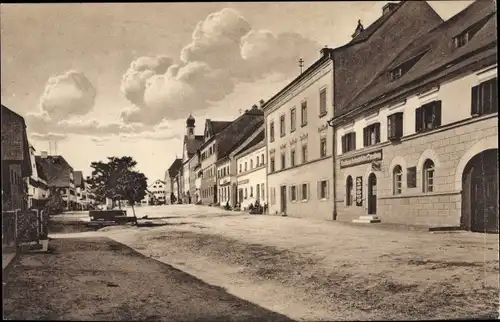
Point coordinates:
[(100, 279), (311, 270)]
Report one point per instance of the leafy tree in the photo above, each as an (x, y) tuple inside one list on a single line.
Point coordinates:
[(132, 186), (55, 203)]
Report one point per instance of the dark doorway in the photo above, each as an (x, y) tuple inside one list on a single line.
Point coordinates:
[(283, 199), (372, 194), (216, 192), (480, 193)]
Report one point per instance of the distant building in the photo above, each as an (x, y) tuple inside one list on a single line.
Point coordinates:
[(157, 192), (60, 178), (16, 164), (191, 144), (38, 190), (174, 179), (82, 198)]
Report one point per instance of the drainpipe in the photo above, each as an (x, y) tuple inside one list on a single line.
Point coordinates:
[(334, 149)]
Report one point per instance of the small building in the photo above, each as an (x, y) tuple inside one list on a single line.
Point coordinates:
[(16, 161), (191, 144), (419, 144), (157, 192), (38, 191), (251, 171)]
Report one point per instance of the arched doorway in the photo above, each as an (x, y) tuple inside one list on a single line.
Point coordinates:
[(372, 194), (480, 193)]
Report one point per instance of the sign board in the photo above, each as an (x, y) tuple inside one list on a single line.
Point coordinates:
[(411, 177), (359, 191), (361, 159), (245, 181), (224, 181)]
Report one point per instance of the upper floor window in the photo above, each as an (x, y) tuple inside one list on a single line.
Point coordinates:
[(485, 98), (461, 39), (262, 158), (322, 102), (303, 113), (293, 119), (397, 180), (395, 126), (246, 166), (322, 148), (304, 153), (240, 167), (349, 142), (257, 163), (428, 176), (282, 125), (292, 157), (428, 116), (395, 74), (371, 134), (271, 131), (271, 164), (251, 164), (283, 160)]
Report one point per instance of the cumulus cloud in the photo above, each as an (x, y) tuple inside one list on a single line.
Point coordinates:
[(224, 51), (48, 136)]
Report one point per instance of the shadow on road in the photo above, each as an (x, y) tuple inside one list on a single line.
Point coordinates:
[(101, 279)]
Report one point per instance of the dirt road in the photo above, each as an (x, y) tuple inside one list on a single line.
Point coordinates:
[(100, 279)]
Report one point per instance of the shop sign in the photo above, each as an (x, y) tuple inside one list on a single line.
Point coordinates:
[(359, 191), (361, 159), (243, 181)]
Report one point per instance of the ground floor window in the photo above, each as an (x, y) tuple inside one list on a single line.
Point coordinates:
[(348, 191), (293, 193), (428, 176), (397, 179), (323, 189), (305, 191), (273, 196)]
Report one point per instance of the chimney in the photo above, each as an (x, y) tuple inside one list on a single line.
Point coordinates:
[(325, 51), (254, 107), (262, 102), (44, 154), (388, 8)]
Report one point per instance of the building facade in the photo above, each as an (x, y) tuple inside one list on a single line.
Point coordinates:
[(38, 191), (174, 180), (226, 197), (16, 164), (157, 191), (251, 175), (420, 146), (299, 143)]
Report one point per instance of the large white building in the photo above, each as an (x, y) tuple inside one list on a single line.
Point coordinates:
[(157, 192)]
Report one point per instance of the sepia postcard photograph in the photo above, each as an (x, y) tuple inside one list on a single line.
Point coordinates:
[(250, 161)]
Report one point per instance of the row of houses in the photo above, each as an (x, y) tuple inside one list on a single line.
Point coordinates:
[(399, 125), (28, 179)]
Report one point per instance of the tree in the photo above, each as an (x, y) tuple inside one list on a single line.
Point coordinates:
[(55, 203), (132, 186)]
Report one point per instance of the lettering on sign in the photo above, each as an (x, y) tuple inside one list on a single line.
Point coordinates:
[(359, 191), (361, 159), (243, 181), (411, 177)]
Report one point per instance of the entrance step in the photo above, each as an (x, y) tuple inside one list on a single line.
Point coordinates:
[(367, 220)]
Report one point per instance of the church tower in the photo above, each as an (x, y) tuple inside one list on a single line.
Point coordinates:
[(190, 127)]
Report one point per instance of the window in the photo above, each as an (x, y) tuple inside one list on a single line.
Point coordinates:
[(322, 103), (293, 193), (305, 191), (293, 119), (262, 193), (304, 153), (428, 179), (257, 162), (428, 116), (251, 192), (251, 164), (485, 98), (246, 193), (461, 39), (273, 196), (371, 134), (271, 131), (272, 164), (262, 158), (303, 113), (240, 167), (292, 158), (283, 160), (395, 126), (349, 191), (395, 74), (323, 189), (349, 142), (282, 126), (397, 179), (246, 166), (322, 148)]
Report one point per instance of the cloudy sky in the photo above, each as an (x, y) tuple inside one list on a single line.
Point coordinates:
[(120, 79)]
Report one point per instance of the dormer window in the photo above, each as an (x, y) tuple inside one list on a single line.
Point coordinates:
[(461, 39), (395, 74), (398, 71)]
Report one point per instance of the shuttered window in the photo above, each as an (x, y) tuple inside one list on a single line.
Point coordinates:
[(293, 119), (485, 98), (322, 103), (292, 158), (323, 189), (428, 116), (371, 134), (271, 132), (395, 126), (349, 142)]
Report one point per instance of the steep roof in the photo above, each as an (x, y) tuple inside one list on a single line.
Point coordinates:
[(434, 50), (238, 131), (39, 169), (174, 168), (376, 47), (257, 142), (57, 170), (193, 145), (218, 126), (78, 177), (15, 146)]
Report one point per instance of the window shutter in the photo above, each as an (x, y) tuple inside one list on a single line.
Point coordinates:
[(365, 136), (343, 143), (474, 110), (308, 191), (495, 96), (418, 119), (399, 125), (389, 126), (377, 132), (353, 141), (319, 190), (437, 114)]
